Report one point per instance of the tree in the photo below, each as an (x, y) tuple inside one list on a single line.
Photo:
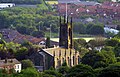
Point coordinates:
[(51, 73), (27, 44), (96, 30), (95, 58), (79, 28), (81, 70), (88, 27), (112, 70), (27, 64), (112, 42), (38, 34), (117, 35), (117, 50), (48, 42), (78, 43), (29, 72), (21, 54), (63, 69)]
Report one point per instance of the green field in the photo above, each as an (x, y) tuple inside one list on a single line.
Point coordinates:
[(52, 2), (87, 39)]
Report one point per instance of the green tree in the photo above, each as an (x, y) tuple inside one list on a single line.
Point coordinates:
[(81, 70), (27, 44), (63, 69), (27, 64), (48, 42), (21, 54), (29, 72), (38, 34), (96, 59), (112, 42), (96, 30), (117, 50), (79, 28), (51, 73), (112, 70)]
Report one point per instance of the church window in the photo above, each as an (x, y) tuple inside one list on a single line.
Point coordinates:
[(79, 59), (69, 32), (68, 59), (63, 60), (73, 60)]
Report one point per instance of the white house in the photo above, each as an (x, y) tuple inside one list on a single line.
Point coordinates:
[(10, 64), (6, 5), (115, 0)]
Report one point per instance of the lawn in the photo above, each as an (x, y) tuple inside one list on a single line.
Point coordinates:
[(87, 39), (52, 2)]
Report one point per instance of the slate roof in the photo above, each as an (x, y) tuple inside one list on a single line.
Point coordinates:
[(9, 62), (14, 36)]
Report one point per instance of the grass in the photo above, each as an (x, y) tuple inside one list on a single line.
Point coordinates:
[(52, 2), (54, 36), (87, 39)]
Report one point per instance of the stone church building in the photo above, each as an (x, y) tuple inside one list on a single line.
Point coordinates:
[(54, 57)]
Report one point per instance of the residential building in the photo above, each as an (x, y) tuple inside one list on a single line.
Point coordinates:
[(8, 64), (6, 5)]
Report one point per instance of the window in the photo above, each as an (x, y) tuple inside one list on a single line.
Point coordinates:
[(73, 60), (17, 66)]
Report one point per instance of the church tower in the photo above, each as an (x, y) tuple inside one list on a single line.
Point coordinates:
[(65, 36)]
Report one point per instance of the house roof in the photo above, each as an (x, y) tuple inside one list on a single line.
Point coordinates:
[(9, 62), (15, 36), (68, 1)]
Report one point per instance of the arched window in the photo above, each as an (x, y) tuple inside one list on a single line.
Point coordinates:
[(73, 60), (79, 59), (68, 59), (63, 60), (69, 31)]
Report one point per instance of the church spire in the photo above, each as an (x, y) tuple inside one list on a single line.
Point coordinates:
[(65, 38)]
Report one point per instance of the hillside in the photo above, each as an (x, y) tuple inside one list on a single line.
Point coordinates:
[(22, 1)]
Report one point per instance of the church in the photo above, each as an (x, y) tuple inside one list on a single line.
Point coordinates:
[(54, 57)]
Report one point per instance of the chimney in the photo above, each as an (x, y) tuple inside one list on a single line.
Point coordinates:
[(5, 60), (11, 60)]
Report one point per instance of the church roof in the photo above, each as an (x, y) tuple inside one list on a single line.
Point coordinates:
[(59, 51)]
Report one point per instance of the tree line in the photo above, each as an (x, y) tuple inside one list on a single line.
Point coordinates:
[(29, 21), (22, 1)]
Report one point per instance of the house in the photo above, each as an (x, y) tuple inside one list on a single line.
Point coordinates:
[(14, 36), (111, 26), (8, 64), (6, 5), (54, 57), (89, 19)]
